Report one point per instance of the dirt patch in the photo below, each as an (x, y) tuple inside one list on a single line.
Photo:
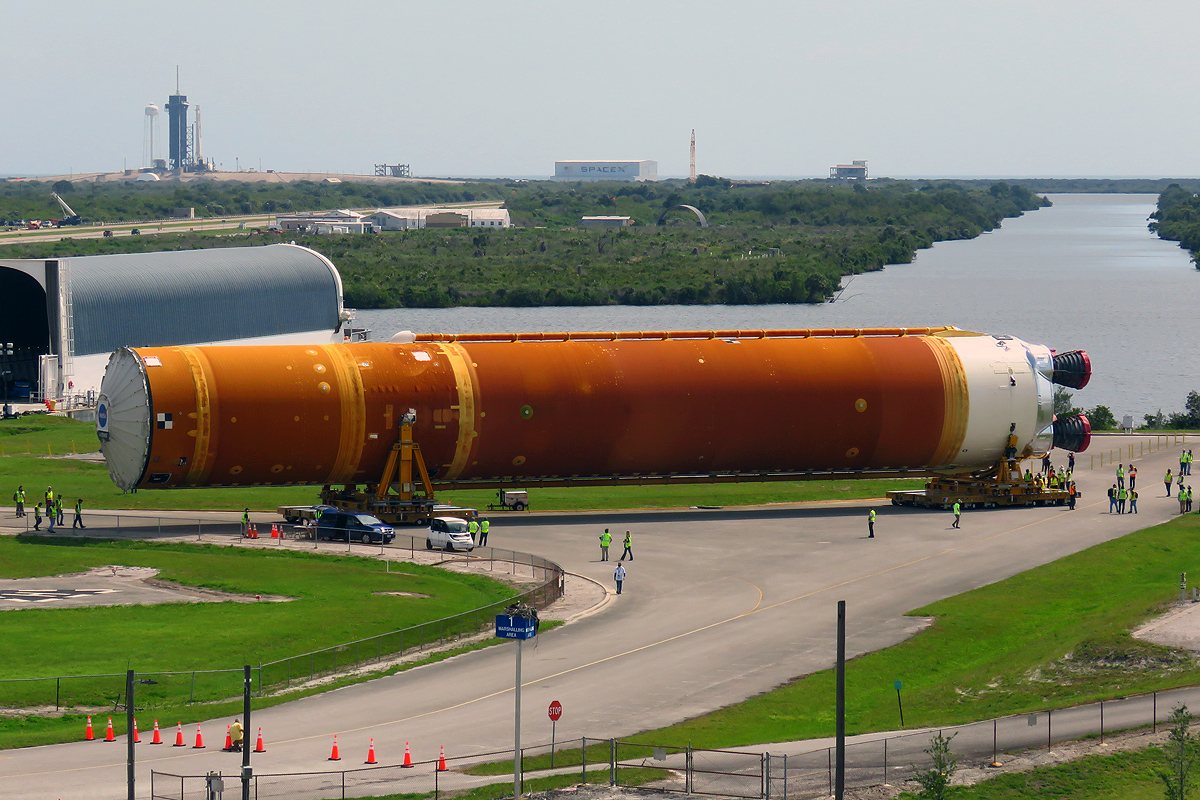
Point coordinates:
[(112, 585), (402, 594)]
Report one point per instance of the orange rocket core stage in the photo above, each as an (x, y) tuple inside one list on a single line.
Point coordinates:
[(507, 409)]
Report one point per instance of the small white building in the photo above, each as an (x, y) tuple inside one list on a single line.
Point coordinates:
[(605, 170), (606, 222), (413, 217)]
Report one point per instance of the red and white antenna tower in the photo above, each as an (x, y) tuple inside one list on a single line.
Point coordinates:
[(692, 171)]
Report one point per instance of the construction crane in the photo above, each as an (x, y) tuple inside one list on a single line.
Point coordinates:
[(71, 217)]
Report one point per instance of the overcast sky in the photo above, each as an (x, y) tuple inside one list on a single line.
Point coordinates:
[(786, 88)]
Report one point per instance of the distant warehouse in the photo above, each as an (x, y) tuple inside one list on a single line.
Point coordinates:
[(65, 316), (408, 218), (605, 170)]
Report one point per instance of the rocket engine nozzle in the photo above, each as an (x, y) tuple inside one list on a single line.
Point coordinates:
[(1073, 433), (1073, 369)]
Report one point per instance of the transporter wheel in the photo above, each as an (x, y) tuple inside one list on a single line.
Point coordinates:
[(366, 538), (428, 544), (518, 506), (895, 502)]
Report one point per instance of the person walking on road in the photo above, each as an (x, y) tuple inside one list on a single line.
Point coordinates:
[(1133, 501), (19, 498), (1070, 462), (1112, 499), (619, 576), (1121, 500), (871, 524), (1182, 495), (37, 516), (483, 532), (1183, 463), (1189, 498), (957, 513), (473, 529), (58, 512), (50, 517), (1120, 476), (1132, 477), (628, 551), (246, 521), (1071, 495), (605, 541), (78, 521)]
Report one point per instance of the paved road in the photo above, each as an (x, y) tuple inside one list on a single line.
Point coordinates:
[(718, 606)]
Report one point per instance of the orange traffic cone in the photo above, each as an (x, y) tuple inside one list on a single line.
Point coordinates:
[(442, 760), (407, 757), (157, 736), (199, 745), (136, 738), (108, 736), (179, 736), (334, 755), (274, 530), (371, 753), (228, 739), (89, 734), (260, 747)]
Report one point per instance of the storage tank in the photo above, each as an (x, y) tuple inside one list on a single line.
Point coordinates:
[(528, 409)]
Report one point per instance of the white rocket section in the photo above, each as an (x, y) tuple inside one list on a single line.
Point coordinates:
[(1008, 383)]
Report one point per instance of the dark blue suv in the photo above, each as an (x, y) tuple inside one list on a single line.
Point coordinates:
[(353, 526)]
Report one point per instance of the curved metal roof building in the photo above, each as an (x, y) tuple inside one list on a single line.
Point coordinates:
[(74, 307)]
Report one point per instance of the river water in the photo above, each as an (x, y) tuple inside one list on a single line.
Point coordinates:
[(1082, 274)]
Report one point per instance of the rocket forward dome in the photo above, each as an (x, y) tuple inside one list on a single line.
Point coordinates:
[(123, 414)]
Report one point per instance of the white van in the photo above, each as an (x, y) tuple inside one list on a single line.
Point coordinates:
[(449, 533)]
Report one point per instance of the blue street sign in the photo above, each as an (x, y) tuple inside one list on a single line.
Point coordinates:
[(509, 627), (897, 686)]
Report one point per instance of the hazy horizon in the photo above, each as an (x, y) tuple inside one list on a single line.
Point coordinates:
[(777, 90)]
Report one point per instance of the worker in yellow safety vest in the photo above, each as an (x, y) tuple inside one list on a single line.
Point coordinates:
[(473, 529), (245, 522), (483, 531)]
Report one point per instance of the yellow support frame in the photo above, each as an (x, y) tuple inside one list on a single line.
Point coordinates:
[(404, 455)]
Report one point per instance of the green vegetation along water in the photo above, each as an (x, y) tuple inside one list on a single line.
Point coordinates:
[(789, 242)]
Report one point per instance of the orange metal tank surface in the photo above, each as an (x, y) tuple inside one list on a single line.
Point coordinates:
[(519, 409)]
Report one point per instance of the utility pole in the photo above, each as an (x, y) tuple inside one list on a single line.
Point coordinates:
[(839, 785), (129, 723), (246, 773)]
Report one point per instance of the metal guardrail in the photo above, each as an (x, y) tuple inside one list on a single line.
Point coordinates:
[(212, 684)]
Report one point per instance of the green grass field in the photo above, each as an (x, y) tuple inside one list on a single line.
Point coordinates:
[(1121, 776), (27, 443), (335, 600)]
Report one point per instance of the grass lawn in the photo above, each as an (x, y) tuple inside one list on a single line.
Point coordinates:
[(25, 445), (1121, 776), (336, 600)]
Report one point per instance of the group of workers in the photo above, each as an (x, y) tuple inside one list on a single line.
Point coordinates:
[(52, 506)]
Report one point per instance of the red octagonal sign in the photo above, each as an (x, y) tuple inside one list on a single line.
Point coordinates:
[(555, 711)]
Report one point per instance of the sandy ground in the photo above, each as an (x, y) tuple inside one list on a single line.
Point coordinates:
[(112, 585)]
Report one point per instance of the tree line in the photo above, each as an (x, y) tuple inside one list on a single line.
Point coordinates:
[(1177, 219), (785, 242)]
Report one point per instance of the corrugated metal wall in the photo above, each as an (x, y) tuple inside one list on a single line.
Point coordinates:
[(162, 299)]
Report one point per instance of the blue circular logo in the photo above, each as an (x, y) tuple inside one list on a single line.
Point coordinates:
[(102, 415)]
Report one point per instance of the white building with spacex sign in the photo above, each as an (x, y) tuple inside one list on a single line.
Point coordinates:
[(605, 170)]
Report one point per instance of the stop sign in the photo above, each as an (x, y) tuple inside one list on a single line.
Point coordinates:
[(555, 711)]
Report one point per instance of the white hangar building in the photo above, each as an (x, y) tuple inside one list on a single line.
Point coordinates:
[(65, 316), (605, 170)]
